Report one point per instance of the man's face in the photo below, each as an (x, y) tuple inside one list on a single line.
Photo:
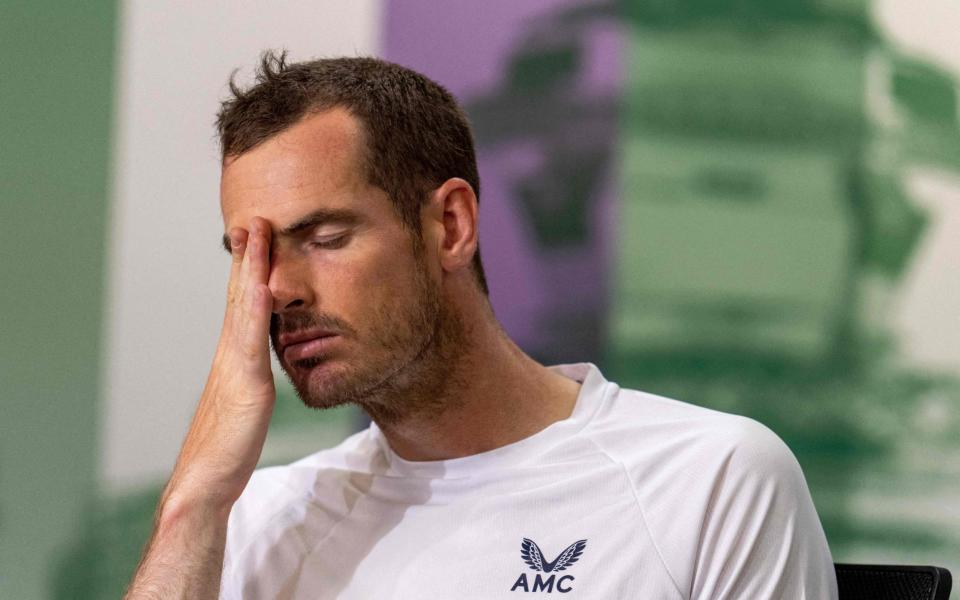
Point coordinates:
[(359, 276)]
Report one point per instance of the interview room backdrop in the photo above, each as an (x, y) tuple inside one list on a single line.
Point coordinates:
[(752, 206)]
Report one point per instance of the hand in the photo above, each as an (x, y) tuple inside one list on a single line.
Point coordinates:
[(228, 430), (184, 556)]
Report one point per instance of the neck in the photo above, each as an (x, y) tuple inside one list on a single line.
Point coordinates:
[(492, 395)]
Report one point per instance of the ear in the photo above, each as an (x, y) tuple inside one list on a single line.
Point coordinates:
[(450, 221)]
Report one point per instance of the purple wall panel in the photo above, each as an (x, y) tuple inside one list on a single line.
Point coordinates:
[(545, 150)]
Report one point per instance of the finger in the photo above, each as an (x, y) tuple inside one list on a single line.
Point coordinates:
[(238, 243), (259, 265), (252, 247), (254, 273), (257, 332)]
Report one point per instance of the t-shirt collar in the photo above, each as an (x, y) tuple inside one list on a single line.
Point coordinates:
[(591, 396)]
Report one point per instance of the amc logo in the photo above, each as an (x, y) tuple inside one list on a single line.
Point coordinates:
[(531, 554)]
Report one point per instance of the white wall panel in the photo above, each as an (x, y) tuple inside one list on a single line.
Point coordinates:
[(167, 270)]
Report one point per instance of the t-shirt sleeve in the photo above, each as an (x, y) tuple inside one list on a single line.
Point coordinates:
[(761, 537)]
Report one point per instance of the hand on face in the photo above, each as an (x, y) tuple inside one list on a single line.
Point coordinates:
[(229, 427)]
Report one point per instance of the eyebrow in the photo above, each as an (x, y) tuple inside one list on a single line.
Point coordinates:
[(321, 216)]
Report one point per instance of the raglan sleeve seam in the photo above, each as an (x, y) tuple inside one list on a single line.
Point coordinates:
[(643, 516), (251, 531)]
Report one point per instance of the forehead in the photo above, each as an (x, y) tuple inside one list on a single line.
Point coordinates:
[(316, 163)]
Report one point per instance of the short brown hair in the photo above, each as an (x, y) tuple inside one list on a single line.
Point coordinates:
[(417, 135)]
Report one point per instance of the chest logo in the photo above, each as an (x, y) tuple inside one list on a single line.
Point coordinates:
[(533, 556)]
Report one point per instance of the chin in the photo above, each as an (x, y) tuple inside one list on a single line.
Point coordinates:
[(319, 396), (316, 403), (327, 384)]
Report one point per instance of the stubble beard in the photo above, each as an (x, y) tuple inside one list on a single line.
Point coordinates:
[(413, 370)]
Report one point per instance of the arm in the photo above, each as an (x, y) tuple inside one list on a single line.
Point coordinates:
[(184, 557)]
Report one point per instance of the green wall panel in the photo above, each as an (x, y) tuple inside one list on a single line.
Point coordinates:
[(56, 93)]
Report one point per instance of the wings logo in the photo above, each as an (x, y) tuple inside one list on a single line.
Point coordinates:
[(533, 556)]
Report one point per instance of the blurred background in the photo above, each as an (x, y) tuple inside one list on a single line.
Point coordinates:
[(751, 205)]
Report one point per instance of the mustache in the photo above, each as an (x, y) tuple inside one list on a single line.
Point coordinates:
[(293, 322)]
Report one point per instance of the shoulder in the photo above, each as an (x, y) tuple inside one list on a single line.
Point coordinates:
[(650, 433), (279, 492), (262, 538), (704, 479)]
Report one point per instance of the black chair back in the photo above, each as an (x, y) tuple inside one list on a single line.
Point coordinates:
[(892, 582)]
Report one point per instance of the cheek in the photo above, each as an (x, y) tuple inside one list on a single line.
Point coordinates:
[(395, 285), (360, 283)]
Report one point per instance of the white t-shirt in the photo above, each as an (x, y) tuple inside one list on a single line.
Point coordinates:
[(632, 496)]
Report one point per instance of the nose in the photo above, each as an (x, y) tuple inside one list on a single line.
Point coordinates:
[(289, 283)]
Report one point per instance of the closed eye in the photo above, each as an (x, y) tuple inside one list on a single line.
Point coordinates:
[(330, 243)]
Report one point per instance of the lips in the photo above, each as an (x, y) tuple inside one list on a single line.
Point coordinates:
[(306, 344)]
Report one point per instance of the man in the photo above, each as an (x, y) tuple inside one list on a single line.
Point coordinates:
[(349, 195)]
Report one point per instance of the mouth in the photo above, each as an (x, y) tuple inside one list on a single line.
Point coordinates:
[(306, 344)]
